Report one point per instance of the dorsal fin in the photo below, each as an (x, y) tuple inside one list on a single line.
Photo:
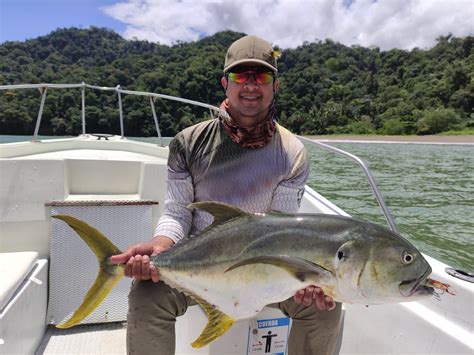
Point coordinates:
[(221, 212)]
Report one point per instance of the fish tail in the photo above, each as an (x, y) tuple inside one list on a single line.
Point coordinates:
[(108, 276)]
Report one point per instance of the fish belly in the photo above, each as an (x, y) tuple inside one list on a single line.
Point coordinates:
[(239, 293)]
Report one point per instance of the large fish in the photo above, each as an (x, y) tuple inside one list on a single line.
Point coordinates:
[(242, 262)]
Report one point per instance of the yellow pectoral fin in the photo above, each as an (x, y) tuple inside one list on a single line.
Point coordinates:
[(217, 324), (103, 284)]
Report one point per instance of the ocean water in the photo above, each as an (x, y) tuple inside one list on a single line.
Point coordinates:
[(428, 188)]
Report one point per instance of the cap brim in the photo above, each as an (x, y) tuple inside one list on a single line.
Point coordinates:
[(250, 62)]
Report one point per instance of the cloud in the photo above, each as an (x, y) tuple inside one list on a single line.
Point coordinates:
[(288, 23)]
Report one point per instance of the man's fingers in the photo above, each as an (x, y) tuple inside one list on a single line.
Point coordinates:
[(154, 274), (128, 267), (330, 304), (319, 299), (137, 267), (314, 295), (145, 266), (298, 297), (308, 296), (137, 261), (122, 258), (138, 249), (127, 254)]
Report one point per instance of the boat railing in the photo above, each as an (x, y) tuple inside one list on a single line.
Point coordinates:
[(152, 96), (43, 88), (368, 174)]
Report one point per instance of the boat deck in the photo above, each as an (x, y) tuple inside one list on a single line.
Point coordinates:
[(107, 338)]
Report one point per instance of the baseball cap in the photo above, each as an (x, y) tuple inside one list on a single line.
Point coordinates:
[(251, 50)]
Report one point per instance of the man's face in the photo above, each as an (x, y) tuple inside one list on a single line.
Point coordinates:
[(250, 93)]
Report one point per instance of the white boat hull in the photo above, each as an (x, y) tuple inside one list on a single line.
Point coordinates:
[(80, 169)]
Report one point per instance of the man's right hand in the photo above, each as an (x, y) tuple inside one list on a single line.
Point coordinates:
[(137, 258)]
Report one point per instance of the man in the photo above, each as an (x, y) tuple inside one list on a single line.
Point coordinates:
[(243, 158)]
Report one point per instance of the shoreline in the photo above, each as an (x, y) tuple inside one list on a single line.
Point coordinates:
[(349, 138), (432, 139)]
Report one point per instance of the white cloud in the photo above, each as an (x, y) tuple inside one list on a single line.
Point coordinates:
[(288, 23)]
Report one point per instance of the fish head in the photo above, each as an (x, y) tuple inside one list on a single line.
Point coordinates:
[(381, 269)]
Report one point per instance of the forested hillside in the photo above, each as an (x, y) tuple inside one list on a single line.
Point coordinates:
[(326, 87)]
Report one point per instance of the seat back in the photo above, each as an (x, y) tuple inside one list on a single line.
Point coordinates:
[(74, 266)]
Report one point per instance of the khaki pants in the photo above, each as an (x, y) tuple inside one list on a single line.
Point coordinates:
[(153, 308)]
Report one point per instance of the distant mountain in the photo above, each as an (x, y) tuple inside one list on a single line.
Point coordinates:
[(326, 87)]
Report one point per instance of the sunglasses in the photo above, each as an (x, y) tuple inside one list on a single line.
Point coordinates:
[(260, 77)]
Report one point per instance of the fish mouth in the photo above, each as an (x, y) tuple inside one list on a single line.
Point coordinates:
[(409, 287)]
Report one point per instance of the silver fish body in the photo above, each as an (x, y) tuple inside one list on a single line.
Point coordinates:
[(243, 262), (249, 260)]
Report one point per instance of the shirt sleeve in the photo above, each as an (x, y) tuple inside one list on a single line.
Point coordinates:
[(289, 192), (176, 219)]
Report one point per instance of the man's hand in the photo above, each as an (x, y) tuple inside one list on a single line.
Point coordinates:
[(137, 258), (314, 294)]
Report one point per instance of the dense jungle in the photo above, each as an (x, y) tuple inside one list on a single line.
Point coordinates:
[(326, 87)]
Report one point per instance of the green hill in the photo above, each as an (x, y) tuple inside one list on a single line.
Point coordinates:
[(326, 87)]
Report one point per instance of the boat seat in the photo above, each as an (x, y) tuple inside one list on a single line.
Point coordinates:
[(23, 301), (73, 266), (14, 267)]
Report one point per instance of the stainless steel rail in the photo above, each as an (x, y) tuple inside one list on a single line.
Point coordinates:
[(44, 87), (368, 174)]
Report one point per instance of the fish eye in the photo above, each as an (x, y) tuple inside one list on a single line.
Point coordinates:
[(340, 254), (407, 258)]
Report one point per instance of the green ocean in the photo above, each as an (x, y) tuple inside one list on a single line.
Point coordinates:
[(429, 189)]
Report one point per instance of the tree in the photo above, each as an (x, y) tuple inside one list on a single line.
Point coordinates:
[(437, 120), (326, 87)]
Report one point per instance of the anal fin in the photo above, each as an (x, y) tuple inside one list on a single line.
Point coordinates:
[(217, 324)]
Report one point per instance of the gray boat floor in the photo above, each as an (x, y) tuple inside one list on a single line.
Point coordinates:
[(108, 338)]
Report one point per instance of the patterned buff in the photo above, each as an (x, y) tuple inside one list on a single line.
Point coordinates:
[(253, 137)]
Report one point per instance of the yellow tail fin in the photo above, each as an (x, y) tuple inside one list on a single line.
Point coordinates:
[(108, 276), (217, 324)]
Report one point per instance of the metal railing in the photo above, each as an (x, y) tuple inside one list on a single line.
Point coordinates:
[(368, 174), (44, 87)]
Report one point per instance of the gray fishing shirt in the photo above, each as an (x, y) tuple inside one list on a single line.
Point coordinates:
[(205, 165)]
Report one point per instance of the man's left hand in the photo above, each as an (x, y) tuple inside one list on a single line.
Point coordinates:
[(314, 294)]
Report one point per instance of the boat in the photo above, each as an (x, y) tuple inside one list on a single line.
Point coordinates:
[(118, 185)]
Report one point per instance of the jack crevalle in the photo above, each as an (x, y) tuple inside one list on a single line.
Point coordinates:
[(243, 261)]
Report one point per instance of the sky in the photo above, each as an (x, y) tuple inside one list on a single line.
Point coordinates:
[(387, 24)]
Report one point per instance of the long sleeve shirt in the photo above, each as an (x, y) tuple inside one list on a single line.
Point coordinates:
[(205, 165)]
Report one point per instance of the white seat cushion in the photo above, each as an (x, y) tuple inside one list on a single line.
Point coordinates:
[(14, 267)]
